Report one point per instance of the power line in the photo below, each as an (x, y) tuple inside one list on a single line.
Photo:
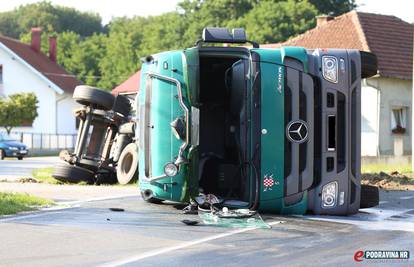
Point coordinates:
[(83, 76)]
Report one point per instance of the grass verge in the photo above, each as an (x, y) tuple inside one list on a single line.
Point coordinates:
[(387, 168), (45, 176), (12, 203)]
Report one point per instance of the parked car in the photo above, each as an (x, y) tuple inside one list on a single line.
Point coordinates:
[(12, 148), (275, 130)]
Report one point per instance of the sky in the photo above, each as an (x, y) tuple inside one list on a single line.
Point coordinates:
[(116, 8)]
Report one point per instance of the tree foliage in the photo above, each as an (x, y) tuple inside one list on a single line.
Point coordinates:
[(271, 22), (333, 7), (52, 18), (17, 110), (106, 56)]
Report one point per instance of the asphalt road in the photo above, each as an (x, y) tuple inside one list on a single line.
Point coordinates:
[(13, 169), (89, 234)]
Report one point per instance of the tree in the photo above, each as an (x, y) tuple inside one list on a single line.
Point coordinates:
[(121, 57), (106, 56), (198, 14), (333, 7), (85, 57), (270, 21), (17, 110), (52, 18)]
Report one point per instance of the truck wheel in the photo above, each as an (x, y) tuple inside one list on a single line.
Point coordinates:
[(122, 105), (2, 154), (20, 158), (369, 196), (369, 64), (91, 96), (73, 174), (127, 169), (148, 196)]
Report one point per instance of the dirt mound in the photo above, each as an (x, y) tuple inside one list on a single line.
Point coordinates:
[(392, 181), (28, 180)]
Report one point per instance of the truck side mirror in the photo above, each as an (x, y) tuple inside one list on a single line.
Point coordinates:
[(223, 35)]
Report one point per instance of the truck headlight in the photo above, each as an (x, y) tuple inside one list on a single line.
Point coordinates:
[(329, 195), (170, 169), (330, 68), (13, 148)]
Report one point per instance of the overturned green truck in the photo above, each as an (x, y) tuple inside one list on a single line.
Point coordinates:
[(275, 130)]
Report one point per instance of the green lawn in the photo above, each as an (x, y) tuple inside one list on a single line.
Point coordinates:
[(387, 168), (45, 176), (12, 203)]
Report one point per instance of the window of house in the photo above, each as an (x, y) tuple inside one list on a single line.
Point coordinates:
[(399, 120), (1, 74)]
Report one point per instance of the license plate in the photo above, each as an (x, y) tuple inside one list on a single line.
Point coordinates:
[(23, 151)]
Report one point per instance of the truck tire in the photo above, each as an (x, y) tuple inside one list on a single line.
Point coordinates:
[(73, 174), (369, 196), (369, 64), (127, 168), (148, 196), (122, 105), (91, 96)]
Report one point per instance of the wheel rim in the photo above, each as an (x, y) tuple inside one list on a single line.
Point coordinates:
[(127, 163)]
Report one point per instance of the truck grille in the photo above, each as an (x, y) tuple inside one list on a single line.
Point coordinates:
[(299, 104)]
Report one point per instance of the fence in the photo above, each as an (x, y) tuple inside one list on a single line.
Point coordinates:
[(41, 141)]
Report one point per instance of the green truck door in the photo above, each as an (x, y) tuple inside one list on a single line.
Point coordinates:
[(162, 79)]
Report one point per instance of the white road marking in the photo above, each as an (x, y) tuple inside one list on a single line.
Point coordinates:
[(57, 209), (95, 199), (407, 197), (157, 252)]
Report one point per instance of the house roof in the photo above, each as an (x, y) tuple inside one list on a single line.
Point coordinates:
[(389, 37), (40, 62), (131, 85)]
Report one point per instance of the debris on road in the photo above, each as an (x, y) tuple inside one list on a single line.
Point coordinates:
[(190, 222), (251, 220), (27, 180), (116, 209)]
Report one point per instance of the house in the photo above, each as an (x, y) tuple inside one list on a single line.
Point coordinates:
[(130, 86), (386, 97), (24, 68)]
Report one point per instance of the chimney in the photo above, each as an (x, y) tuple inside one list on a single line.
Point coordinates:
[(36, 39), (323, 19), (52, 48)]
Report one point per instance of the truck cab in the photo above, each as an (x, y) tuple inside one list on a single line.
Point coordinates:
[(275, 130)]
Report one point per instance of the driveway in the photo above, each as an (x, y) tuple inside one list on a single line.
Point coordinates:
[(13, 169), (89, 234)]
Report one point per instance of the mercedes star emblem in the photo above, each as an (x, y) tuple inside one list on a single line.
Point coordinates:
[(297, 131)]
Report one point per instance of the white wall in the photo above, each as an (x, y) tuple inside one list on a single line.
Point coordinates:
[(394, 92), (66, 122), (19, 78), (379, 95), (376, 135), (369, 120)]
